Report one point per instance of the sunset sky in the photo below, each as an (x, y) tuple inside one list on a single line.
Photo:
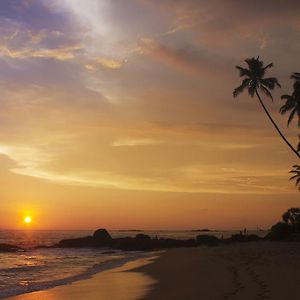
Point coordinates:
[(120, 114)]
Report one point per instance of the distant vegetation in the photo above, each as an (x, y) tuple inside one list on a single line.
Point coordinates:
[(288, 228), (254, 81)]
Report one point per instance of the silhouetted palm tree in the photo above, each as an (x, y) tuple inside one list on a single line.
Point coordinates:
[(296, 176), (254, 81), (292, 103)]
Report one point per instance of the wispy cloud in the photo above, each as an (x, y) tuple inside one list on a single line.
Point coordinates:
[(186, 59), (37, 162), (134, 142), (104, 63), (61, 53)]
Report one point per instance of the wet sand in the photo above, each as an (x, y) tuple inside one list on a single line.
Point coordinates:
[(114, 284)]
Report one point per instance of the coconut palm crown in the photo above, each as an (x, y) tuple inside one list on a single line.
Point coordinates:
[(255, 78), (292, 103), (296, 175)]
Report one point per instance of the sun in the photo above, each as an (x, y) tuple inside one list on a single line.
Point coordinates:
[(27, 220)]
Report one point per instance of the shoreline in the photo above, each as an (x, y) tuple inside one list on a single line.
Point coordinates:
[(241, 271), (82, 281)]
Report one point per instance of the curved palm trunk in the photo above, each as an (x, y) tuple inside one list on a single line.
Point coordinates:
[(276, 127)]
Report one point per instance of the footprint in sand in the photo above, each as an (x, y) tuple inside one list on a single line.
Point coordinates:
[(237, 285), (263, 291)]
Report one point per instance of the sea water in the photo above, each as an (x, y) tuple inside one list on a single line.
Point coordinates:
[(42, 268)]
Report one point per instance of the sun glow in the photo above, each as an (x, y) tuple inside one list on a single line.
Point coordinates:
[(27, 220)]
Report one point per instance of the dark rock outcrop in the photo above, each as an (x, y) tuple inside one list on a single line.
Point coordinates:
[(83, 242), (102, 238), (207, 240), (243, 238), (142, 242), (9, 248)]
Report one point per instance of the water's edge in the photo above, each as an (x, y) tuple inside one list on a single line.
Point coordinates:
[(108, 265)]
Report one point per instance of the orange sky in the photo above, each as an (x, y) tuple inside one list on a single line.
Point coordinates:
[(119, 114)]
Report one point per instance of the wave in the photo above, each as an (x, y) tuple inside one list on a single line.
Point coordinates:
[(97, 268), (21, 269)]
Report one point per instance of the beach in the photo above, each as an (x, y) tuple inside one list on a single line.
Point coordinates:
[(264, 270), (259, 270), (116, 284)]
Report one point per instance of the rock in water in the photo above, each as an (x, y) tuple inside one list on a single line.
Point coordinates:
[(102, 237), (207, 240), (9, 248)]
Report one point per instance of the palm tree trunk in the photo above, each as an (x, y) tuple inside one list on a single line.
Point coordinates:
[(276, 127)]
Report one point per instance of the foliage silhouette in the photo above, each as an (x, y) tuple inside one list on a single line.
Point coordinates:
[(292, 217), (254, 81), (296, 76), (279, 231), (296, 175), (288, 229), (292, 103)]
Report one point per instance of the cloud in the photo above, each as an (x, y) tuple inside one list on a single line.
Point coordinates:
[(134, 142), (34, 162), (17, 42), (62, 53), (187, 59), (222, 24), (73, 137), (154, 129), (104, 62)]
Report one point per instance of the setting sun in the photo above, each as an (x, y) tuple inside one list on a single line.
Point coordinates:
[(27, 220)]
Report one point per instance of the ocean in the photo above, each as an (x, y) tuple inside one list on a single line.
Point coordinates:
[(39, 269)]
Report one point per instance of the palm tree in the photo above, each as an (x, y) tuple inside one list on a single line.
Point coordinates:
[(254, 81), (296, 176), (292, 103)]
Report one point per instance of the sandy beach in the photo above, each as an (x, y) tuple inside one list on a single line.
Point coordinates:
[(263, 270)]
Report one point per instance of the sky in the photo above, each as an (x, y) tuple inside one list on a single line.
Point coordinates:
[(119, 114)]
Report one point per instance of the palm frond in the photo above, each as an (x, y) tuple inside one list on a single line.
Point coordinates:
[(241, 88), (287, 106), (292, 114), (296, 177), (295, 76), (251, 90), (292, 104), (271, 82), (266, 91), (243, 71), (286, 97), (268, 66)]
